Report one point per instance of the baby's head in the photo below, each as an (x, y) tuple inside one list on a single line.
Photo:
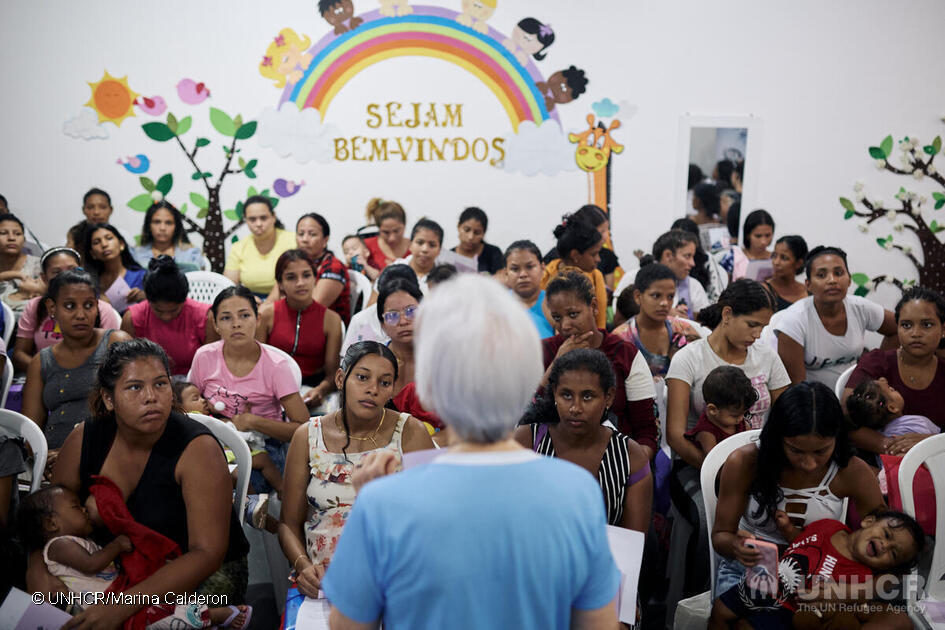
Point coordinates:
[(187, 396), (352, 246), (50, 512), (874, 403), (888, 541), (728, 396)]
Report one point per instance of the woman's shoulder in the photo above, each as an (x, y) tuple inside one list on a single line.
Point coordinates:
[(744, 458), (285, 237), (209, 350)]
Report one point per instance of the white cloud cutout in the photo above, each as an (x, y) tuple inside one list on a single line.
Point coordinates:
[(299, 133), (535, 150), (84, 126)]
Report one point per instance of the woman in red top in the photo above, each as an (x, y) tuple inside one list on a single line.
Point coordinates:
[(169, 318), (300, 326), (390, 244)]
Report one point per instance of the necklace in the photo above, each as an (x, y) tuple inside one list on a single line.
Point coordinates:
[(903, 366), (364, 439)]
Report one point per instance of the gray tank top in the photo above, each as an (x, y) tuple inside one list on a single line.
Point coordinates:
[(66, 391)]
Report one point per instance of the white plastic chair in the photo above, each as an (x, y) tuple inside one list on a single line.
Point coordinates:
[(228, 437), (931, 452), (842, 381), (21, 426), (361, 288), (6, 381), (9, 323), (296, 370), (205, 285)]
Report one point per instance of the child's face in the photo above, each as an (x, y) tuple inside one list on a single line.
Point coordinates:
[(880, 546), (193, 402), (355, 247), (70, 516), (725, 417), (892, 400)]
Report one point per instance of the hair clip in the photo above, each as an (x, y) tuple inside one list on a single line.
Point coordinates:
[(545, 30), (267, 61), (280, 40)]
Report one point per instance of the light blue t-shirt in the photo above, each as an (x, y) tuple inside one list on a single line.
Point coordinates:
[(538, 318), (188, 259), (520, 541)]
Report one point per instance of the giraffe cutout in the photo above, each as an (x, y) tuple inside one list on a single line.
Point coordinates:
[(592, 154)]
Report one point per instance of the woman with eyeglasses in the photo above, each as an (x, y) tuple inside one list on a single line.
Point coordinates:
[(397, 306), (302, 327)]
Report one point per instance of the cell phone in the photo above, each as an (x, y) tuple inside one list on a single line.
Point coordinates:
[(355, 265), (762, 579), (682, 302)]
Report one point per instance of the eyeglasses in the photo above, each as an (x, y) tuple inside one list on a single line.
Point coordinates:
[(392, 318)]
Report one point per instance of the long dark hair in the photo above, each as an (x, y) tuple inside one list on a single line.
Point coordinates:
[(575, 233), (180, 234), (743, 296), (589, 360), (97, 266), (117, 357), (237, 290), (542, 32), (699, 271), (803, 409), (266, 201), (353, 356), (165, 282)]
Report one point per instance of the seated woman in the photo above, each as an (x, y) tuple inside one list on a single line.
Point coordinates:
[(472, 227), (170, 470), (706, 268), (757, 234), (332, 287), (302, 327), (318, 493), (821, 335), (523, 271), (608, 259), (573, 309), (112, 264), (677, 249), (803, 465), (787, 261), (568, 423), (579, 245), (254, 382), (168, 317), (252, 260), (97, 208), (397, 307), (654, 333), (163, 234), (426, 238), (59, 378), (913, 369), (19, 272), (36, 329), (366, 325), (389, 244)]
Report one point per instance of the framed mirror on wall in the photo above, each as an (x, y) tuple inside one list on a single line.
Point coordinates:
[(717, 182)]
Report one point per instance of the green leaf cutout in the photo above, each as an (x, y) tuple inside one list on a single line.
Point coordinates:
[(887, 145), (235, 238), (877, 153), (158, 131), (196, 176), (183, 126), (146, 183), (203, 213), (231, 215), (937, 144), (859, 278), (140, 203), (200, 201), (202, 142), (165, 183), (238, 121), (861, 291), (242, 162), (172, 123), (246, 131), (849, 214), (183, 208), (239, 210), (935, 227), (251, 191), (222, 122), (847, 204)]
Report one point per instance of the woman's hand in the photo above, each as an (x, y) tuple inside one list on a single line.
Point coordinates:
[(244, 421), (309, 580), (748, 556), (372, 466), (680, 310), (574, 342), (901, 444), (100, 617), (135, 295), (785, 526)]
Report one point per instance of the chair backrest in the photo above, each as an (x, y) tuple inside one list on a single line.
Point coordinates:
[(228, 437), (292, 364), (710, 469), (6, 381), (21, 426), (842, 381), (205, 285), (9, 323), (361, 288), (931, 452)]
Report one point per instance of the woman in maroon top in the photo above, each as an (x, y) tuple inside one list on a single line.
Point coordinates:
[(913, 369), (570, 299), (300, 326)]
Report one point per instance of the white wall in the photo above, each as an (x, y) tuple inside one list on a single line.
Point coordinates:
[(826, 79)]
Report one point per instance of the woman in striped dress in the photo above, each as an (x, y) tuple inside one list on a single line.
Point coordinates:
[(566, 422)]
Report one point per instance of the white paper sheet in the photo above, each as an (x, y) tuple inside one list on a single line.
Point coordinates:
[(18, 612), (463, 264), (313, 614), (626, 545), (117, 294)]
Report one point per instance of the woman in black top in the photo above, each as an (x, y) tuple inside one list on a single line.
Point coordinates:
[(170, 470), (472, 227)]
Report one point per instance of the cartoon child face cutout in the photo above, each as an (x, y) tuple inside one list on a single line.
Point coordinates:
[(339, 12), (292, 62), (560, 90), (478, 10), (526, 42)]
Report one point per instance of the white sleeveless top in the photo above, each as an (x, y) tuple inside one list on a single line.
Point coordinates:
[(807, 504)]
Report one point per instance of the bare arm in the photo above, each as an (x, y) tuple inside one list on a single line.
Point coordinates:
[(210, 333), (706, 442), (677, 414), (295, 512), (792, 355), (890, 331), (265, 322), (33, 407), (296, 413), (869, 440), (24, 349), (523, 435), (127, 326), (737, 473), (72, 554), (327, 291), (416, 437), (333, 339), (604, 618), (232, 274), (338, 621), (858, 482), (118, 336), (638, 498)]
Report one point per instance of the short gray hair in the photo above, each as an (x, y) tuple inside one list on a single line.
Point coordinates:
[(478, 357)]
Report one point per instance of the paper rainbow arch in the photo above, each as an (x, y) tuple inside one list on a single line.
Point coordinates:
[(431, 32)]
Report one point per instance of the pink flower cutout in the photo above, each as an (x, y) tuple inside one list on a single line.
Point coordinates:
[(280, 41), (267, 61)]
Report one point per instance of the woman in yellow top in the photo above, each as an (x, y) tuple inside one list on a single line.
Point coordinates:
[(579, 245), (252, 261)]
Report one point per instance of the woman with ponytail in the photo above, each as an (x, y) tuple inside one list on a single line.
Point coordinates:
[(390, 244), (317, 492), (168, 317), (579, 245)]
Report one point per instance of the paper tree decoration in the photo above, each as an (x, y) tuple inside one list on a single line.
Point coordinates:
[(916, 161), (208, 204)]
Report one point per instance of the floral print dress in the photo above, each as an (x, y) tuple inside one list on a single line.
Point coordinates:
[(330, 491)]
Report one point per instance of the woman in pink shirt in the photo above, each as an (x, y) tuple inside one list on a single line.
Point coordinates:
[(168, 317)]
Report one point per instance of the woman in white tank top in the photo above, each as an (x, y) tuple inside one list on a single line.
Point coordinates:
[(803, 464)]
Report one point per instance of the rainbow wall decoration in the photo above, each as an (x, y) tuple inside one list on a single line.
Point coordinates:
[(430, 32)]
